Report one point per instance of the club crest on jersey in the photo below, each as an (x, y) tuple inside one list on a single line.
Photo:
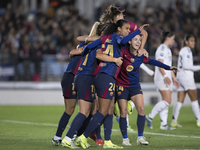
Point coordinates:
[(111, 93), (161, 54), (81, 49), (132, 60), (129, 68), (188, 56), (92, 95), (74, 92), (108, 41), (119, 93)]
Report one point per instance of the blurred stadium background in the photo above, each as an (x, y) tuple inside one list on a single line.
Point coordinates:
[(36, 37)]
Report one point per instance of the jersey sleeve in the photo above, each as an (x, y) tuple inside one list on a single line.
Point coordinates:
[(127, 38), (133, 26), (186, 61), (91, 46), (145, 60), (158, 64), (160, 53)]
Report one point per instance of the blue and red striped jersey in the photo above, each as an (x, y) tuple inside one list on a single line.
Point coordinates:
[(89, 63), (75, 61), (129, 74)]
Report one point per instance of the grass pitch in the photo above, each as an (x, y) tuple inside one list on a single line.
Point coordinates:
[(33, 127)]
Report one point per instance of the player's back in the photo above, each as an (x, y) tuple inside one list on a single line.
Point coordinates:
[(88, 63), (113, 49), (185, 58), (164, 53)]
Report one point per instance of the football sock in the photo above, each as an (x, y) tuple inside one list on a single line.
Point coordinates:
[(62, 124), (158, 108), (140, 124), (76, 124), (108, 123), (84, 125), (176, 111), (123, 127), (164, 116), (98, 132), (57, 138), (195, 108), (94, 123)]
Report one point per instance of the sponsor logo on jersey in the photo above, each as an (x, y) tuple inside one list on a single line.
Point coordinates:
[(111, 93), (161, 54), (103, 64), (129, 68), (132, 60)]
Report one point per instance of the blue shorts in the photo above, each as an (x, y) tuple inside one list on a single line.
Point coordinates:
[(105, 86), (127, 92), (84, 86), (67, 84)]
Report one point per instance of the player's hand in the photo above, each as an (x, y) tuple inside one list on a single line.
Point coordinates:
[(174, 69), (167, 80), (143, 52), (118, 61), (142, 27), (176, 83)]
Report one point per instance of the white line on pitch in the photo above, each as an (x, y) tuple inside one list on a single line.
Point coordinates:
[(55, 125)]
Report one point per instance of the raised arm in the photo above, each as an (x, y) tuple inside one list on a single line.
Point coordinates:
[(144, 38), (91, 46), (75, 52), (127, 38), (87, 38)]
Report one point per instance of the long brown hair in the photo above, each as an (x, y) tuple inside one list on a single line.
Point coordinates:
[(110, 13)]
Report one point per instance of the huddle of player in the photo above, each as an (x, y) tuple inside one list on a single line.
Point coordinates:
[(104, 69)]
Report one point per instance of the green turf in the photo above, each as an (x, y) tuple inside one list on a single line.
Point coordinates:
[(31, 132)]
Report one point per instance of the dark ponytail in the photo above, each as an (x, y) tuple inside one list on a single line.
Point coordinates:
[(166, 34), (113, 27), (101, 27)]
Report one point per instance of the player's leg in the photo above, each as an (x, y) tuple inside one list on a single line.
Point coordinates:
[(195, 105), (69, 94), (159, 107), (105, 92), (166, 95), (177, 107), (86, 97), (122, 121), (139, 104)]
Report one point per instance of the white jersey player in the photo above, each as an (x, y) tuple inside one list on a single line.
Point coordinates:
[(185, 77), (163, 81)]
